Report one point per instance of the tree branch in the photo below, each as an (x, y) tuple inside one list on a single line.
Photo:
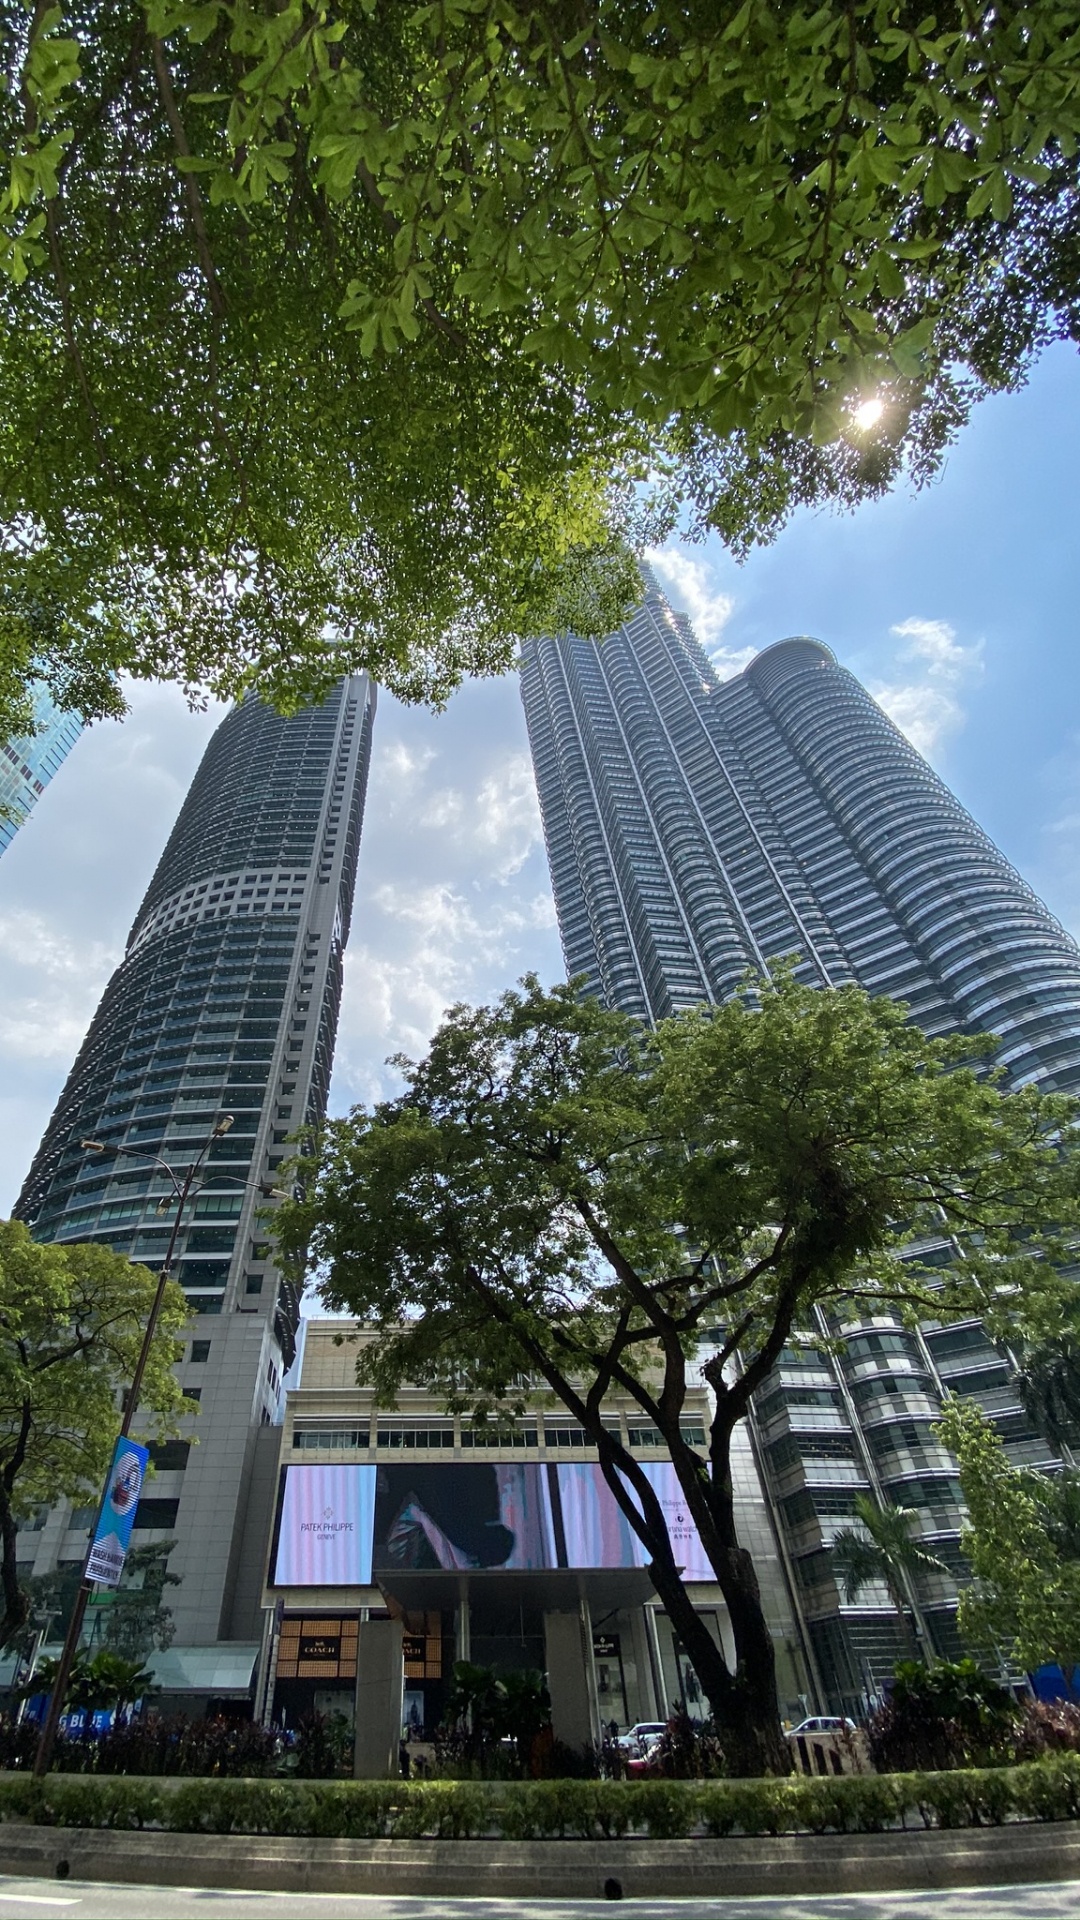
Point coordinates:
[(190, 184)]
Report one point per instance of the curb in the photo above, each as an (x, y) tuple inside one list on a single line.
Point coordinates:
[(570, 1869)]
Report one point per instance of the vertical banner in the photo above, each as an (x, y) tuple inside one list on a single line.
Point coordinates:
[(108, 1549)]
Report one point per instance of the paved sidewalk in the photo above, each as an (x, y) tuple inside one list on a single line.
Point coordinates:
[(86, 1900)]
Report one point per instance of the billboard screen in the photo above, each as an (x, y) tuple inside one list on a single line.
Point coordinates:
[(466, 1514), (345, 1525), (324, 1538)]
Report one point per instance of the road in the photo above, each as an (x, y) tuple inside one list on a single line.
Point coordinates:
[(86, 1900)]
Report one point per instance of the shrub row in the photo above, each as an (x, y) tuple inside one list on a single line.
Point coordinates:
[(554, 1809)]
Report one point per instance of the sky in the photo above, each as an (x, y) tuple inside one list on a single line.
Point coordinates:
[(958, 608)]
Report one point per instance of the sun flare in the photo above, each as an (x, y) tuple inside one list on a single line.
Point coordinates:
[(868, 414)]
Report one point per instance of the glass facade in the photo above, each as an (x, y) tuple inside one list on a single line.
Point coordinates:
[(697, 829), (226, 1001), (28, 764)]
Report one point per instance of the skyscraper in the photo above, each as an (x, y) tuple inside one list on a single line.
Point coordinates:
[(697, 830), (226, 1000), (28, 764)]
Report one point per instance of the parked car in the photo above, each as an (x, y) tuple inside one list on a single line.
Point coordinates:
[(822, 1723), (633, 1740), (644, 1760)]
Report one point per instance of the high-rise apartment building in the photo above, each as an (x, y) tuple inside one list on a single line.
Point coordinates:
[(28, 764), (698, 829), (226, 1001)]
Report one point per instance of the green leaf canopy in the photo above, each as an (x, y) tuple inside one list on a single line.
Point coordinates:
[(1023, 1542), (71, 1327), (352, 333), (561, 1193)]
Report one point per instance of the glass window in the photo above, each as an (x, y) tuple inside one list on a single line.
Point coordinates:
[(330, 1439), (409, 1438), (498, 1436)]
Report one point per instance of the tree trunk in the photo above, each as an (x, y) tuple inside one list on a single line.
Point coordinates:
[(752, 1734), (743, 1703), (16, 1602), (907, 1623)]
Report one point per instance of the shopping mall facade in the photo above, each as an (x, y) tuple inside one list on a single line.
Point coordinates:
[(405, 1541)]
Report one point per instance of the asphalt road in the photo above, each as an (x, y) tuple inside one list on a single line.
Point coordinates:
[(93, 1900)]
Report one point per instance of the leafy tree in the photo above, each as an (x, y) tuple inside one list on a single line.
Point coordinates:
[(485, 1708), (948, 1715), (883, 1547), (135, 1619), (369, 318), (104, 1680), (1022, 1539), (71, 1325), (1048, 1381), (324, 1747), (108, 1680), (560, 1191), (50, 1598)]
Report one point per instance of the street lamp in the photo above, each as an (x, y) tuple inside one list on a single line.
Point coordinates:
[(181, 1188)]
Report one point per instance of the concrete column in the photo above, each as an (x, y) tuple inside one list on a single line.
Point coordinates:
[(596, 1734), (646, 1706), (378, 1700), (568, 1679), (657, 1663), (268, 1659), (462, 1642)]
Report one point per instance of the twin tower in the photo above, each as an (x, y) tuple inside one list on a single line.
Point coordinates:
[(695, 829)]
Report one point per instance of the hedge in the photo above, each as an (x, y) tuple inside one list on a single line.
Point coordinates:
[(553, 1809)]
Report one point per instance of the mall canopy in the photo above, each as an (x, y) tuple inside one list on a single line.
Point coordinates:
[(224, 1670)]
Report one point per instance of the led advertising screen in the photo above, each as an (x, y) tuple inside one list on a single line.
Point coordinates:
[(345, 1525), (689, 1553), (324, 1536), (465, 1514)]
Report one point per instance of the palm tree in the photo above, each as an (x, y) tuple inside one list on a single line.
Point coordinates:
[(105, 1680), (883, 1547)]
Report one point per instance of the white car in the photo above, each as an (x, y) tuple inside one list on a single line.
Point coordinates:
[(822, 1723), (636, 1739)]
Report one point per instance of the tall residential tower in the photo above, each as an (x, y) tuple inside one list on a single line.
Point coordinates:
[(697, 830), (226, 1000)]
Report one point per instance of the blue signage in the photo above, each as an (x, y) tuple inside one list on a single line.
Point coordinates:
[(108, 1549)]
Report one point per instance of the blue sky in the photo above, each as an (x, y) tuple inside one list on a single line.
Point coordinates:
[(957, 607)]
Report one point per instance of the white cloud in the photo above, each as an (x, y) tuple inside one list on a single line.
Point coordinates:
[(692, 589), (53, 983), (508, 814), (926, 707), (400, 770), (428, 949), (935, 642), (443, 810), (453, 901)]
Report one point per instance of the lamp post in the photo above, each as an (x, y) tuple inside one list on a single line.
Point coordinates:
[(181, 1188)]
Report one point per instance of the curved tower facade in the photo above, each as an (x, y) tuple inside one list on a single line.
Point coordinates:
[(700, 829), (226, 1001)]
